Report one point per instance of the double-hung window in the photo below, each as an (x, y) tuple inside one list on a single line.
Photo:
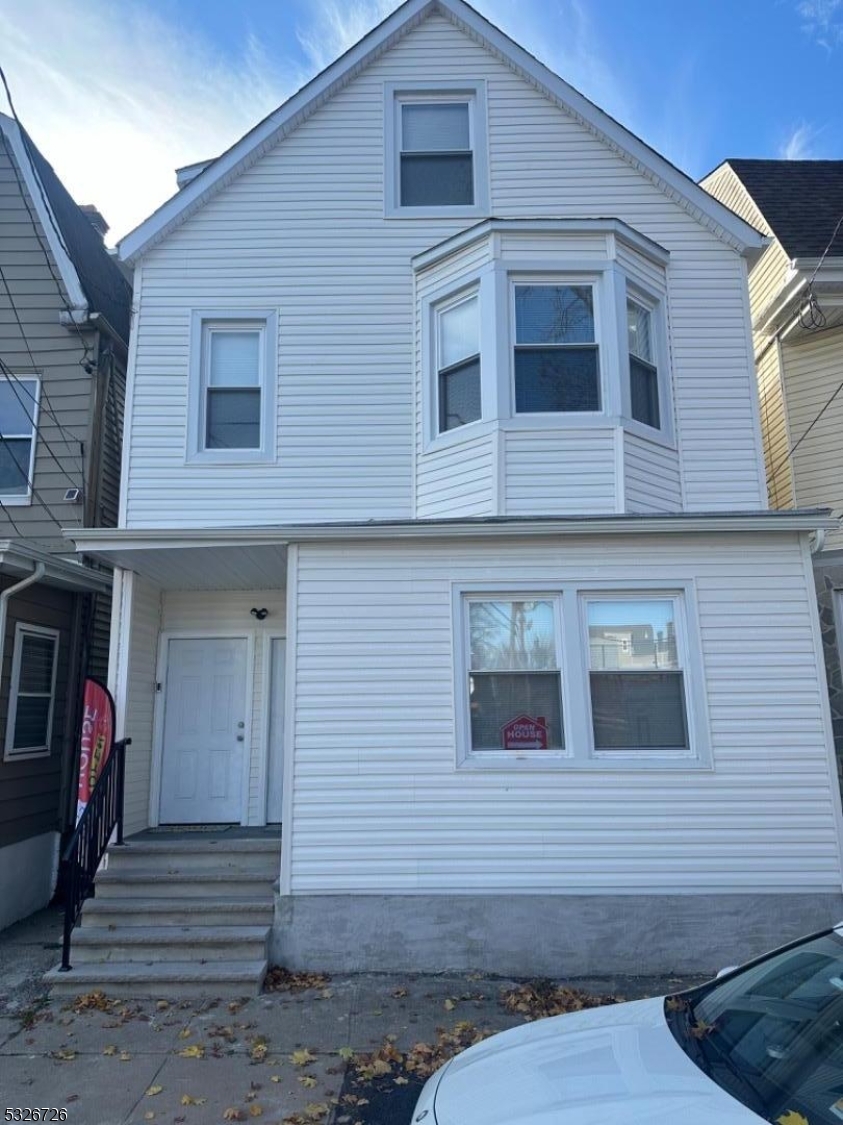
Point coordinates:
[(514, 676), (636, 678), (232, 386), (18, 427), (458, 362), (436, 158), (557, 363), (574, 676), (32, 692), (643, 369)]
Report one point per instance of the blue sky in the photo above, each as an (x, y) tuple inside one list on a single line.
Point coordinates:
[(179, 80)]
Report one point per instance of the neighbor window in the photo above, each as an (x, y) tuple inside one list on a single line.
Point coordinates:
[(32, 692), (514, 677), (458, 362), (436, 159), (643, 371), (557, 366), (18, 428), (636, 676)]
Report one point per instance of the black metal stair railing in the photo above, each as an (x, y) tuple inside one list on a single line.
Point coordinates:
[(86, 847)]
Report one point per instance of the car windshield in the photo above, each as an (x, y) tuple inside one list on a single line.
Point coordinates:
[(771, 1034)]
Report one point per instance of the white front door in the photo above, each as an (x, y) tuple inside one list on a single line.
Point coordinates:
[(205, 735)]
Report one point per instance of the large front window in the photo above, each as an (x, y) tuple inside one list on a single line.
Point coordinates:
[(557, 366), (515, 700), (771, 1035)]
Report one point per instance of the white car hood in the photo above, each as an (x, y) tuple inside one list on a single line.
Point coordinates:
[(618, 1065)]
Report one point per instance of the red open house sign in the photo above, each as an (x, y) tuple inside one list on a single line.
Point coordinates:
[(524, 733)]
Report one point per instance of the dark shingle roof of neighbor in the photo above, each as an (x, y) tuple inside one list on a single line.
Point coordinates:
[(802, 200), (104, 283)]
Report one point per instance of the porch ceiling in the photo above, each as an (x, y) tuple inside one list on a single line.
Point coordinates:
[(205, 567)]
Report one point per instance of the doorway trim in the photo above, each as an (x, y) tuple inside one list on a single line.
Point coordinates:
[(156, 767), (267, 637)]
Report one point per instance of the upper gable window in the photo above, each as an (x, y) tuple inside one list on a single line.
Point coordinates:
[(18, 428), (232, 386), (435, 151), (437, 163)]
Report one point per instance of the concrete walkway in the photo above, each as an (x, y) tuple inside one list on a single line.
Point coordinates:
[(284, 1056)]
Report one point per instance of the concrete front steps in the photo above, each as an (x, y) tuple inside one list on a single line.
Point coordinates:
[(177, 915)]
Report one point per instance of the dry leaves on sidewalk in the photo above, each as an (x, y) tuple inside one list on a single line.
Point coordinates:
[(540, 998)]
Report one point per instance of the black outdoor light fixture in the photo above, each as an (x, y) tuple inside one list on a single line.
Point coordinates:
[(259, 613)]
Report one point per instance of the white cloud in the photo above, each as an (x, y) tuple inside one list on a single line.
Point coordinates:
[(335, 26), (823, 21), (116, 101), (800, 144)]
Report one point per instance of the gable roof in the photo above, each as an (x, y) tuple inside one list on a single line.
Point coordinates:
[(666, 176), (802, 200), (93, 280)]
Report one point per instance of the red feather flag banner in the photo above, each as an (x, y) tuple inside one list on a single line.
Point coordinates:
[(96, 738)]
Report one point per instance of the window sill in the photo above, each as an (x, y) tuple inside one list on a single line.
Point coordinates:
[(25, 755), (551, 762), (15, 501), (230, 457), (474, 211)]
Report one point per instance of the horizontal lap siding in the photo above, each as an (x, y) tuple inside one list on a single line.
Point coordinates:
[(774, 429), (813, 371), (201, 612), (378, 806), (457, 480), (303, 231), (30, 788), (651, 476), (559, 473)]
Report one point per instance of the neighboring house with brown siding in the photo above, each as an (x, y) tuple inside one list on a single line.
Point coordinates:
[(65, 307), (796, 301)]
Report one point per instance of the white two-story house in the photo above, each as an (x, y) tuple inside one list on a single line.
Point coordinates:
[(444, 539)]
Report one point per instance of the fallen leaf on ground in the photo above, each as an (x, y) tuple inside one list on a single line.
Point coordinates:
[(153, 1090), (64, 1055), (233, 1114), (398, 993), (149, 1115), (307, 1081), (279, 979), (302, 1057), (186, 1099), (110, 1050), (449, 1005), (540, 998), (195, 1051), (315, 1111), (275, 1078), (162, 1004), (255, 1110), (185, 1033), (345, 1053), (125, 1056)]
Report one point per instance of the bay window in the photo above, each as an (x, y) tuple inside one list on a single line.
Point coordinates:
[(458, 362), (556, 352)]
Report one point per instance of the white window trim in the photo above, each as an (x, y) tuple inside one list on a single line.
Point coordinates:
[(454, 300), (20, 499), (572, 638), (471, 92), (202, 319), (603, 315), (10, 753), (655, 305)]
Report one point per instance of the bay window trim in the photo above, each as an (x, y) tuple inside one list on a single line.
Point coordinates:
[(572, 643), (203, 322), (10, 752)]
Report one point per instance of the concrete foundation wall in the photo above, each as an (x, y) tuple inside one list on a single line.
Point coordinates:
[(547, 935), (27, 876)]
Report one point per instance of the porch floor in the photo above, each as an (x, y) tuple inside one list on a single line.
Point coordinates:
[(209, 832)]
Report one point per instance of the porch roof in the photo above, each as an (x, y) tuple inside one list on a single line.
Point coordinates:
[(249, 557), (19, 559)]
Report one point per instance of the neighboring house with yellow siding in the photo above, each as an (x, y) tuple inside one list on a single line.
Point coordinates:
[(796, 302)]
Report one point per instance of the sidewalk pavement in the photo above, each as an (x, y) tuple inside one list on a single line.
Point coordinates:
[(300, 1056)]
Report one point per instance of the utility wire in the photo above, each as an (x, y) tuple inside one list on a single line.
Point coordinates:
[(15, 382), (86, 348), (48, 408), (32, 487)]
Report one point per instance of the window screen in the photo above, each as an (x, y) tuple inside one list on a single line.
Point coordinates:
[(437, 164), (643, 373), (556, 353)]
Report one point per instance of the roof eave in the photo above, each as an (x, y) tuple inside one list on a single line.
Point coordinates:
[(694, 199)]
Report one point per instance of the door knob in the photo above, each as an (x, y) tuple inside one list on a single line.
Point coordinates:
[(241, 724), (240, 738)]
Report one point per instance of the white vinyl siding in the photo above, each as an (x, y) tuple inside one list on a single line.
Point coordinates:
[(652, 479), (560, 472), (813, 369), (303, 231), (378, 806), (774, 427)]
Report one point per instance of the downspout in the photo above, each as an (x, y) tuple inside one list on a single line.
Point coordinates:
[(6, 595)]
